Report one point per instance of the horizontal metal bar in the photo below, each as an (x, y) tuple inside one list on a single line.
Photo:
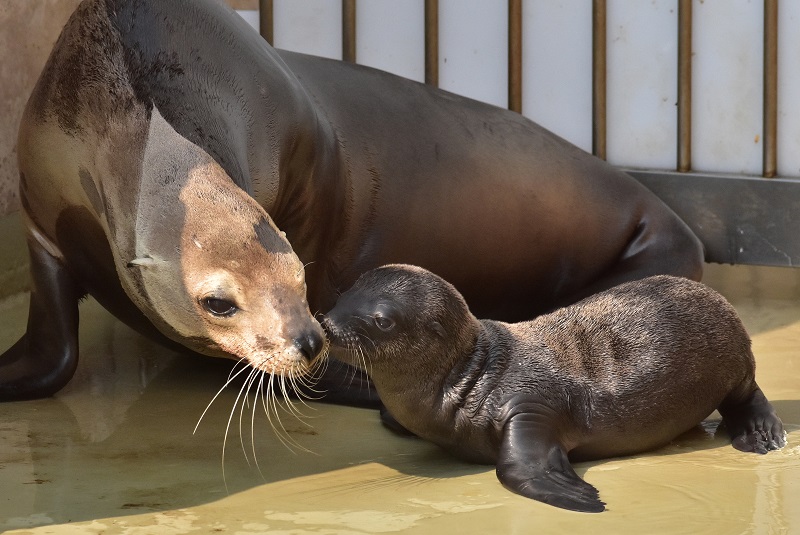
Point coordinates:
[(740, 220), (243, 4)]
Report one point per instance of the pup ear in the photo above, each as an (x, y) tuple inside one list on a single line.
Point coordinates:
[(142, 262), (438, 329)]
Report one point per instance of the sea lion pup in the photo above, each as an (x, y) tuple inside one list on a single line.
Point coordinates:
[(618, 373)]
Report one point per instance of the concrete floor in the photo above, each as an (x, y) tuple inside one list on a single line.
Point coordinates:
[(115, 452)]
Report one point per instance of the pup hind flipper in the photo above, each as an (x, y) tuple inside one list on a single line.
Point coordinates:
[(752, 424)]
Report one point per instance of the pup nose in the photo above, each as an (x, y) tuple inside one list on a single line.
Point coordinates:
[(310, 344)]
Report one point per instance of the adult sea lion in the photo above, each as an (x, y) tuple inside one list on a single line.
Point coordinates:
[(620, 372), (166, 144)]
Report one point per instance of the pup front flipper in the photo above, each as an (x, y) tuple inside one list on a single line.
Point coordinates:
[(532, 462)]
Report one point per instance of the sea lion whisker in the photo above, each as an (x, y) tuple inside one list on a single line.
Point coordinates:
[(364, 336), (283, 435), (305, 266), (308, 381), (294, 387), (307, 386), (268, 401), (253, 421), (288, 405), (244, 361), (244, 393), (320, 366), (276, 404), (230, 379), (299, 385), (365, 363), (228, 427)]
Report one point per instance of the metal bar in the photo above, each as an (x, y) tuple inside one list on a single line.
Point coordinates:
[(432, 42), (770, 88), (739, 220), (349, 30), (515, 55), (684, 163), (599, 78), (266, 22)]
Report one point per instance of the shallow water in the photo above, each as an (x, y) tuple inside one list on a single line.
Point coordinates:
[(115, 453)]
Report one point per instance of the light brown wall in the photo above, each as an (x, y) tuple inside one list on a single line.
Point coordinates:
[(28, 30)]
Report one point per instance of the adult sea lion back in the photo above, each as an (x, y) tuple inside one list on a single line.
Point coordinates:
[(166, 143)]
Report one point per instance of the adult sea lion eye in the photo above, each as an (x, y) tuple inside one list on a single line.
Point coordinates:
[(219, 307), (384, 323)]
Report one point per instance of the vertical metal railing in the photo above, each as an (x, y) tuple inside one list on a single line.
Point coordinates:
[(684, 163), (599, 69), (515, 55), (349, 30), (770, 133), (599, 78), (432, 42), (266, 21)]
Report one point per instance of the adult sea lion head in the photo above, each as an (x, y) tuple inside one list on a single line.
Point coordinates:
[(208, 266)]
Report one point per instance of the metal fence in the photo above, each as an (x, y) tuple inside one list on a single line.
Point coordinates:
[(741, 219)]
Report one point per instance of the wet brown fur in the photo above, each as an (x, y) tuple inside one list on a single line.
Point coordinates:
[(618, 373)]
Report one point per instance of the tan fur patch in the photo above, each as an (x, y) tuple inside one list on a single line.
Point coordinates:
[(209, 239)]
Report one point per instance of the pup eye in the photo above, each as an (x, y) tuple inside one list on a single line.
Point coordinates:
[(219, 307), (384, 323)]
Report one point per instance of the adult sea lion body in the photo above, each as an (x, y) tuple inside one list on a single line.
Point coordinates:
[(620, 372), (155, 120)]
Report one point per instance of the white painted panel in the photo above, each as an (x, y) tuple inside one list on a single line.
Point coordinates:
[(642, 48), (473, 49), (642, 58), (390, 35), (557, 67), (789, 89), (311, 27), (251, 16), (727, 86)]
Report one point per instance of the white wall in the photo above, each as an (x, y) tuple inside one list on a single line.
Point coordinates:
[(557, 77)]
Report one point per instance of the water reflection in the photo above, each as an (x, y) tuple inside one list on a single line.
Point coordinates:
[(114, 452)]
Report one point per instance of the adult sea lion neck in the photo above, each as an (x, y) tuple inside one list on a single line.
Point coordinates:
[(228, 93), (251, 114)]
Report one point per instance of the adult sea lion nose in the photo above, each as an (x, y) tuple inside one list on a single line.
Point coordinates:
[(310, 343)]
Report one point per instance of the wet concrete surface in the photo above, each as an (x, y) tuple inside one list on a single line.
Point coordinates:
[(115, 452)]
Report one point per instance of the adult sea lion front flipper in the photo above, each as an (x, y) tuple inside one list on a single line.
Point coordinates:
[(44, 359), (532, 460)]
